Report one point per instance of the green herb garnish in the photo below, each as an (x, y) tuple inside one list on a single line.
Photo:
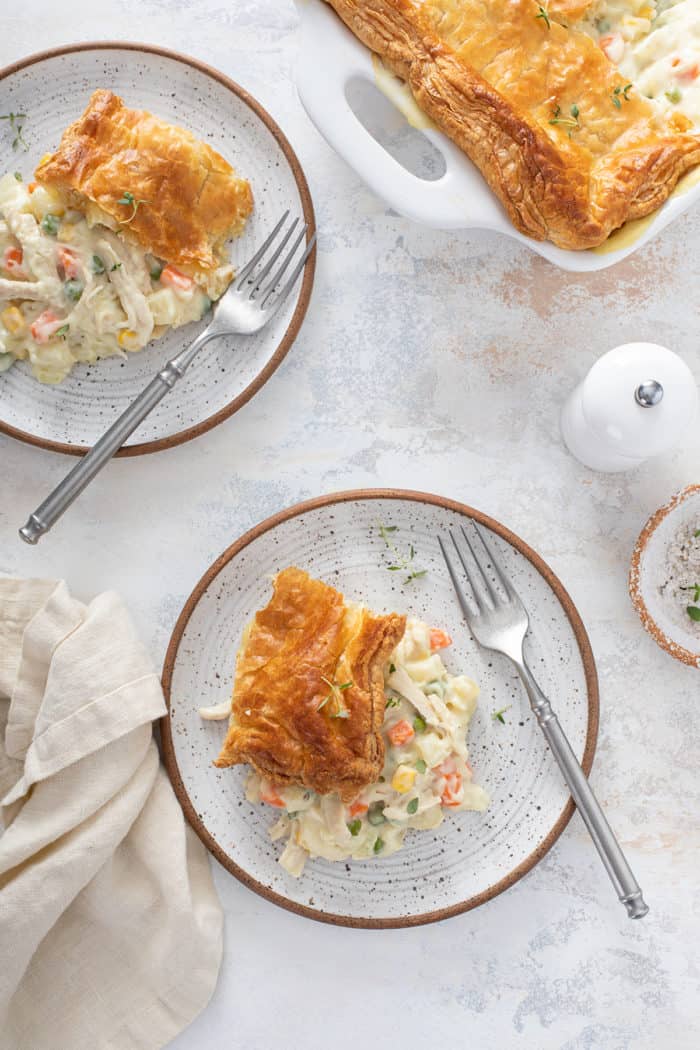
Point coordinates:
[(97, 265), (392, 668), (498, 715), (18, 176), (420, 765), (335, 690), (403, 562), (117, 266), (419, 724), (156, 269), (293, 814), (543, 13), (696, 534), (674, 95), (378, 845), (63, 331), (392, 701), (412, 806), (129, 201), (571, 122), (16, 128), (50, 224), (694, 613), (620, 93), (695, 588), (354, 827)]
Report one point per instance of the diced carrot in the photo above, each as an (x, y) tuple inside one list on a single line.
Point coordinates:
[(439, 639), (401, 733), (613, 45), (31, 187), (447, 766), (452, 790), (173, 278), (691, 73), (12, 259), (356, 809), (46, 324), (269, 795), (69, 262), (675, 61)]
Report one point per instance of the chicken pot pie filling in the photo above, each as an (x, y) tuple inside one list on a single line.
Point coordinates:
[(74, 290), (656, 45)]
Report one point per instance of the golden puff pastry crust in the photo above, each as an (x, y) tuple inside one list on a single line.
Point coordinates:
[(290, 717), (193, 199), (495, 77)]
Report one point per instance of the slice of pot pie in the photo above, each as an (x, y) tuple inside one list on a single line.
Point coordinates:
[(308, 699), (120, 237), (570, 147), (155, 183)]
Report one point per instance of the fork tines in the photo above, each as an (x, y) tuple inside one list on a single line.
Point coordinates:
[(251, 277), (484, 573)]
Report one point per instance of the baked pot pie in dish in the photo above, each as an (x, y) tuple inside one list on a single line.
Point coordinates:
[(571, 147), (353, 727), (120, 237)]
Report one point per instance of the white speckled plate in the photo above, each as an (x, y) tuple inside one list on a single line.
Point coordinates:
[(472, 856), (70, 417)]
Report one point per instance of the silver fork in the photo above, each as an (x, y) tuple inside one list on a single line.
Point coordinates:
[(499, 621), (246, 307)]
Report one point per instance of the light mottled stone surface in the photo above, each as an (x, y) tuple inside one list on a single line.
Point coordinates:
[(434, 361)]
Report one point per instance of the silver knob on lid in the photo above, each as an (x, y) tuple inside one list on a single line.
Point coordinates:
[(649, 393)]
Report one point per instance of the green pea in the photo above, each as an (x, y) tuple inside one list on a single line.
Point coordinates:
[(354, 827), (50, 224)]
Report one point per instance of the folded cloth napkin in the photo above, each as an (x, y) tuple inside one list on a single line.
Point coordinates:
[(110, 927)]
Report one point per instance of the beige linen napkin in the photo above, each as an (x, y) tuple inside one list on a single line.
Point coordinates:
[(110, 927)]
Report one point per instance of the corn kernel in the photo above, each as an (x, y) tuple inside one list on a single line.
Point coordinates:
[(47, 157), (13, 320), (127, 339), (646, 12), (403, 779), (66, 232)]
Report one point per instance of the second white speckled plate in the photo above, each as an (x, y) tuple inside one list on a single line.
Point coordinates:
[(70, 417), (472, 856)]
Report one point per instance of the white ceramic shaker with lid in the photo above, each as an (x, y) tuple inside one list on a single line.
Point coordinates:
[(636, 402)]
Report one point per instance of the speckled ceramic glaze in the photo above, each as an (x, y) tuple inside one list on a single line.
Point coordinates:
[(71, 416), (472, 856), (647, 573)]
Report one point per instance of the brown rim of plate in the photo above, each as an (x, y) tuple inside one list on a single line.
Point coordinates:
[(586, 657), (635, 583), (306, 285)]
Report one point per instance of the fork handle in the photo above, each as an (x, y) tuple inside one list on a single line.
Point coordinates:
[(68, 490), (608, 847)]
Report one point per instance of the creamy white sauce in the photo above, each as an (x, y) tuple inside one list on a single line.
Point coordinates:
[(656, 46), (74, 291), (423, 778)]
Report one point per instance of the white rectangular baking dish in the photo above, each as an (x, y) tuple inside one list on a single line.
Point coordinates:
[(332, 58)]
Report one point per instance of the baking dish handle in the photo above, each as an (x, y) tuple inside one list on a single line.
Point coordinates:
[(330, 58)]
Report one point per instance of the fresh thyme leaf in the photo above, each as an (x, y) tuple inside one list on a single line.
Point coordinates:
[(345, 685), (334, 694), (498, 715), (696, 534), (626, 89), (354, 827), (392, 668), (63, 331), (117, 266), (411, 553), (129, 201), (392, 701), (97, 265), (416, 575), (394, 568), (16, 128), (694, 613), (571, 122), (386, 529), (293, 814), (324, 702), (695, 588), (402, 562), (420, 765), (18, 176), (543, 13), (616, 101), (412, 806)]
